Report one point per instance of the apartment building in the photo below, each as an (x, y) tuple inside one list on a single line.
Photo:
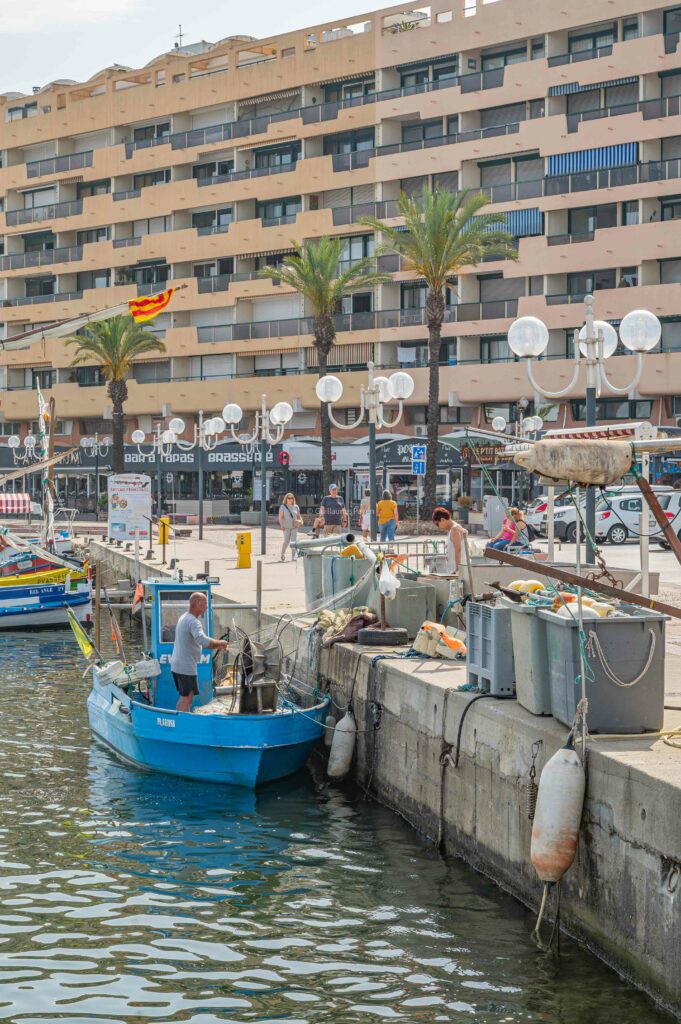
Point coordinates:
[(205, 165)]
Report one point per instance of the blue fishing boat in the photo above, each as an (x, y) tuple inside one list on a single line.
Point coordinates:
[(132, 709)]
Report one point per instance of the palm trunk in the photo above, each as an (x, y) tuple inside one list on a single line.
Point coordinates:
[(435, 314), (118, 393), (324, 337)]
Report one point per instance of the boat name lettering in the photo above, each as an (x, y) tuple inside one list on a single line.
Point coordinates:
[(165, 659), (168, 722)]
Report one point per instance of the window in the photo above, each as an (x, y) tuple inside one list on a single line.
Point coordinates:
[(630, 212), (494, 117), (671, 208), (43, 378), (355, 248), (211, 170), (151, 178), (275, 209), (93, 279), (455, 414), (93, 235), (349, 142), (151, 131), (414, 78), (40, 197), (87, 376), (340, 92), (494, 349), (208, 220), (358, 302), (581, 284), (36, 286), (152, 372), (446, 72), (19, 113), (508, 411), (151, 226), (150, 273), (594, 40), (494, 61), (413, 296), (630, 29), (614, 409), (42, 241), (538, 48), (274, 259), (278, 156), (672, 21), (421, 130), (586, 219), (85, 189), (628, 277), (7, 429), (173, 604), (215, 268)]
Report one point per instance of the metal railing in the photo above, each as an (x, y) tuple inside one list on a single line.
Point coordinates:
[(122, 243), (42, 258), (38, 214), (132, 193), (218, 283), (558, 60), (58, 164), (664, 106), (32, 300)]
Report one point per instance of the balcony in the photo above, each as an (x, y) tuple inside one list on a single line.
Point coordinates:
[(39, 214), (212, 229), (342, 215), (574, 58), (122, 243), (584, 181), (585, 236), (44, 258), (252, 172), (33, 300), (219, 283), (58, 164), (665, 106), (132, 193)]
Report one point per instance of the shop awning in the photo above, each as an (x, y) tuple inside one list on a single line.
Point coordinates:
[(15, 504)]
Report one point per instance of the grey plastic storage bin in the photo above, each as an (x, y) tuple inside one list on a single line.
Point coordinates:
[(531, 660), (413, 605), (630, 647), (490, 649)]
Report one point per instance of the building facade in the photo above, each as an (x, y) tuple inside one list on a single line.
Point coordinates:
[(202, 167)]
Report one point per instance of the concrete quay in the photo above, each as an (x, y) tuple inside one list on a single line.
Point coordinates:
[(457, 769)]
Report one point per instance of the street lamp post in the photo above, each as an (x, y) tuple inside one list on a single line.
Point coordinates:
[(278, 417), (98, 447), (206, 436), (377, 393), (640, 331)]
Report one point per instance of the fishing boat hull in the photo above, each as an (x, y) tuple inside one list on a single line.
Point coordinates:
[(26, 605), (235, 750)]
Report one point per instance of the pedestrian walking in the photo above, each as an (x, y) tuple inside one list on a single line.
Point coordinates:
[(333, 512), (290, 521), (365, 515), (386, 513), (442, 518)]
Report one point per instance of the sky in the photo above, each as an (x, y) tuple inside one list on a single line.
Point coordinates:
[(41, 40)]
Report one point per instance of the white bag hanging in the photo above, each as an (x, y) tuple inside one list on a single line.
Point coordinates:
[(388, 582)]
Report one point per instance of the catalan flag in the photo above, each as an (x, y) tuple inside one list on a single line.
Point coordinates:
[(149, 306)]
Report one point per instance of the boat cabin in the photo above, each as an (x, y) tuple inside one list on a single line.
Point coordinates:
[(169, 600)]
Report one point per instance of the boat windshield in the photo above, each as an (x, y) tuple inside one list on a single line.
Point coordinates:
[(174, 603)]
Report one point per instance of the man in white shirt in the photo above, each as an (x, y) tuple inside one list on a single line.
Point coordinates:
[(189, 639), (442, 518)]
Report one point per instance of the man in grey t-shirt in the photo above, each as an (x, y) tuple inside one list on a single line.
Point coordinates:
[(332, 510), (189, 639)]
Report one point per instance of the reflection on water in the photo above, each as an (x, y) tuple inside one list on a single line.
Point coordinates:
[(129, 897)]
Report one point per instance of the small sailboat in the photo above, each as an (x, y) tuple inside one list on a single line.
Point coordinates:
[(260, 727)]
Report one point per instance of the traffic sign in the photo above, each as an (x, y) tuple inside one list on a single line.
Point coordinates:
[(418, 459)]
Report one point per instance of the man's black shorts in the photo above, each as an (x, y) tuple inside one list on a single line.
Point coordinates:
[(186, 685)]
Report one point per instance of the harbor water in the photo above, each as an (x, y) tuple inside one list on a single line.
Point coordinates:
[(128, 897)]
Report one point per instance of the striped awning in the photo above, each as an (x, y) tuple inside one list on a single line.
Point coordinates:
[(520, 223), (277, 350), (572, 87), (604, 157), (340, 355), (266, 252), (268, 142), (270, 97), (15, 504)]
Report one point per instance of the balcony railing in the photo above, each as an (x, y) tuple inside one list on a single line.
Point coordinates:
[(574, 58), (132, 193), (122, 243), (34, 300), (274, 222), (665, 106), (252, 172), (39, 214), (58, 164), (213, 229), (584, 236), (218, 283), (584, 181), (43, 258), (350, 214)]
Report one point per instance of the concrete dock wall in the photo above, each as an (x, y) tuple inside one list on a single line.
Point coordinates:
[(621, 897)]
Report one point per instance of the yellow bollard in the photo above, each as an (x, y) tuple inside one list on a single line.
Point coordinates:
[(163, 530), (243, 550)]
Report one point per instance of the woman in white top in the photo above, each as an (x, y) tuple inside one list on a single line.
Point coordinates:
[(290, 521), (442, 518), (365, 515)]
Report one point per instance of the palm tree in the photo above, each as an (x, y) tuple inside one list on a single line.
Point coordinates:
[(315, 273), (114, 344), (443, 232)]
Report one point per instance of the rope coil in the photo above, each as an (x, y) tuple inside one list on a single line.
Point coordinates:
[(593, 649)]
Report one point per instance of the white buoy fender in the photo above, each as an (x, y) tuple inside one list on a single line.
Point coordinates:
[(342, 747), (329, 729), (558, 814)]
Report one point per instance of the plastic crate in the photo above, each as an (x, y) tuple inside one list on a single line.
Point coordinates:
[(630, 647), (490, 649), (531, 660)]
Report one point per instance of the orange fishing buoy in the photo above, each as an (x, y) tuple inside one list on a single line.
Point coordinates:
[(558, 814)]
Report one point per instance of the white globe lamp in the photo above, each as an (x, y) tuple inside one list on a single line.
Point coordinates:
[(640, 331), (528, 337), (609, 339), (281, 414), (138, 437), (499, 424), (401, 385), (232, 413), (177, 425), (329, 389)]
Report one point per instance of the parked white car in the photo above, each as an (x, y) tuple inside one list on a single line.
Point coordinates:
[(564, 517), (618, 514)]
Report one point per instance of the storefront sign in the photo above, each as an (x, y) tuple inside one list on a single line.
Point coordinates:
[(487, 454), (224, 456), (129, 506)]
